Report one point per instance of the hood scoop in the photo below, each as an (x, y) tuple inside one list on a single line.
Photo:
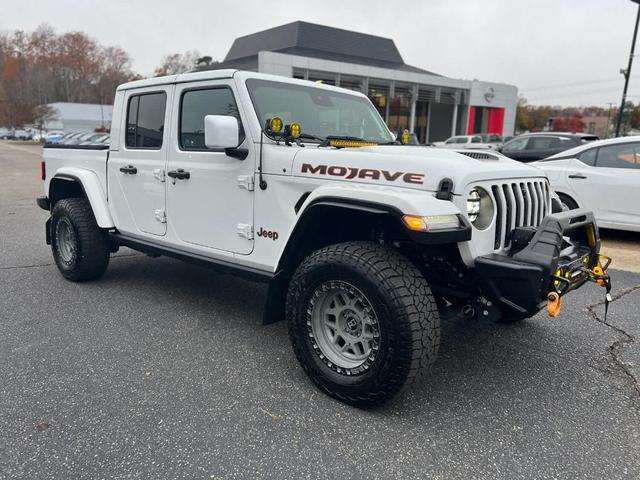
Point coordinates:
[(486, 156)]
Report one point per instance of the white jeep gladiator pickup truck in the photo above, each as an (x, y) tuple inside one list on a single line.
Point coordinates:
[(365, 242)]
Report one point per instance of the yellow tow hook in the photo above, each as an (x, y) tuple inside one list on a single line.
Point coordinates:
[(600, 276), (554, 304)]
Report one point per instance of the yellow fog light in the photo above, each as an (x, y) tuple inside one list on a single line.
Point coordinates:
[(295, 130), (406, 137), (275, 125)]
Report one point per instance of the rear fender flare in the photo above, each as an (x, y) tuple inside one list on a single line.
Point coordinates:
[(92, 189)]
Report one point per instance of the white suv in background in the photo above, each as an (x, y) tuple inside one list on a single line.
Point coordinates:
[(464, 141), (603, 176)]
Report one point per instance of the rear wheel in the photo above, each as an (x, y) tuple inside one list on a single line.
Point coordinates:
[(362, 321), (80, 248)]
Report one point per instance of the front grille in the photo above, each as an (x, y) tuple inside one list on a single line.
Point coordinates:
[(519, 204)]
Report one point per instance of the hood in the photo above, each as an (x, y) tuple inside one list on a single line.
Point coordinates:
[(408, 167)]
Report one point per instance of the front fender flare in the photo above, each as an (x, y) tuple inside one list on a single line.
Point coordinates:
[(404, 200), (378, 200), (92, 189)]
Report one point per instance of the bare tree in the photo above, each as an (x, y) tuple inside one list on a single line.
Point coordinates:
[(43, 67), (175, 63)]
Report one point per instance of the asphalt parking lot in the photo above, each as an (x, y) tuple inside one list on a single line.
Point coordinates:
[(163, 370)]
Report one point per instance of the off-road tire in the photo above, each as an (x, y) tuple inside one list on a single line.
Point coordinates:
[(90, 258), (406, 312)]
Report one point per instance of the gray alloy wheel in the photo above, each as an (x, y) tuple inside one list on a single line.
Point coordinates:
[(343, 327), (66, 240)]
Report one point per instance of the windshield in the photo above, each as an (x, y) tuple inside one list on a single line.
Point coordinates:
[(321, 113)]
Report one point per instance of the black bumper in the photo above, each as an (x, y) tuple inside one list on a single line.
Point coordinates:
[(43, 203), (555, 258)]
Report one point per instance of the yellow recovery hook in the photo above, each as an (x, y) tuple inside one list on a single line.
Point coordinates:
[(597, 275)]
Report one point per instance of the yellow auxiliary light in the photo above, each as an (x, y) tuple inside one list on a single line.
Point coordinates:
[(350, 143), (295, 130), (275, 125), (406, 136)]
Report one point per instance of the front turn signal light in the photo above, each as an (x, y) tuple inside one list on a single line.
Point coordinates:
[(431, 223), (415, 223)]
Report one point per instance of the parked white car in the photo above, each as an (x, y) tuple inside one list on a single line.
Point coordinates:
[(464, 141), (602, 176)]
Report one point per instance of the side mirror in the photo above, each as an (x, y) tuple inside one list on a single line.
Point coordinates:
[(221, 131)]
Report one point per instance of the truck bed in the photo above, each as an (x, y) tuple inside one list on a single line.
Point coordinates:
[(90, 157)]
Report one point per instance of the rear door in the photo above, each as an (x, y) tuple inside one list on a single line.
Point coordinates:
[(612, 187), (136, 170)]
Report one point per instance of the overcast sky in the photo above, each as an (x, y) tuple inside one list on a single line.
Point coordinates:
[(565, 52)]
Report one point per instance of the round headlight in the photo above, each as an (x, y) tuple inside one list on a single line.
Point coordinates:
[(473, 204), (479, 208)]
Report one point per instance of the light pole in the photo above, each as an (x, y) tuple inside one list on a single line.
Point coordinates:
[(627, 72), (606, 131)]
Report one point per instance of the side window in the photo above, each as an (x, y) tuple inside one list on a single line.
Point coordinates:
[(589, 157), (516, 144), (476, 140), (195, 105), (145, 120), (619, 156), (543, 143)]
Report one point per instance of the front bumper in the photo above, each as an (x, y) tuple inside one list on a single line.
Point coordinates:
[(557, 259)]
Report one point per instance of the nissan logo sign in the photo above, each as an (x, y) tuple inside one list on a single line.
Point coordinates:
[(489, 94)]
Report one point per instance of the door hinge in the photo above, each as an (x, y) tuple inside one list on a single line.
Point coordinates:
[(161, 216), (245, 230), (246, 182), (158, 174)]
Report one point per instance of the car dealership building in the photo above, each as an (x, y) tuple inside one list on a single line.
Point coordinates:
[(432, 106)]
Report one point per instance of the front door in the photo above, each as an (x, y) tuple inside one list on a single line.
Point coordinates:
[(213, 207), (135, 169)]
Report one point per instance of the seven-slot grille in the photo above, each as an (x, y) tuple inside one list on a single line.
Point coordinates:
[(519, 204)]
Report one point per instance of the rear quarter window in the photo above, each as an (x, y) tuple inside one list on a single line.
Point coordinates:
[(588, 157)]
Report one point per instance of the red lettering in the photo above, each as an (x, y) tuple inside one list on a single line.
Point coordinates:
[(337, 171), (369, 173), (320, 169), (413, 178), (391, 176)]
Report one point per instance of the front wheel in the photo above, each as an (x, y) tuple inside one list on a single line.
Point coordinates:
[(80, 249), (567, 201), (362, 321)]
